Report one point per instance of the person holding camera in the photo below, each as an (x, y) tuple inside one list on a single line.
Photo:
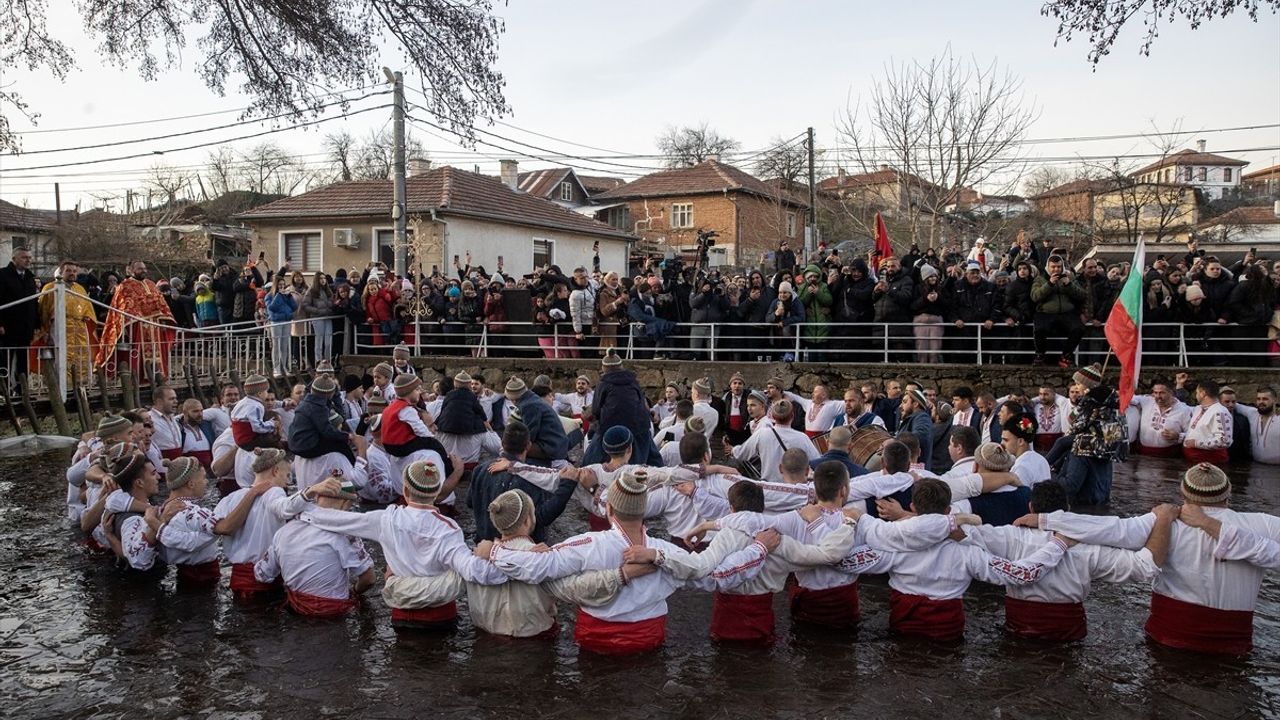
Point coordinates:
[(784, 315), (815, 296), (708, 306), (1058, 299), (611, 310)]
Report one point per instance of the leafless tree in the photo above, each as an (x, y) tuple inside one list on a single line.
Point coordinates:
[(941, 126), (340, 152), (374, 157), (269, 169), (1155, 209), (1103, 21), (689, 145), (785, 161), (167, 182), (287, 56), (221, 170), (1047, 177)]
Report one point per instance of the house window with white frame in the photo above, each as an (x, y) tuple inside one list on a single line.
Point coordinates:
[(544, 252), (682, 215), (1186, 173), (791, 224), (304, 250), (1226, 174), (1202, 174), (566, 191)]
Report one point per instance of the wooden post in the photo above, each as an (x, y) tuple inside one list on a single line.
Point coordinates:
[(27, 405), (103, 391), (56, 404), (82, 400), (130, 394), (12, 414)]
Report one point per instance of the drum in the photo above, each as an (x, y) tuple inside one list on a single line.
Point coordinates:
[(821, 442), (864, 447)]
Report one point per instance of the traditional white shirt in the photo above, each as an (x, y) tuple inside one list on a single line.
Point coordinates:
[(156, 459), (1191, 573), (877, 485), (1264, 430), (710, 418), (1071, 579), (165, 433), (219, 417), (188, 537), (944, 571), (382, 484), (193, 440), (1236, 543), (269, 512), (309, 471), (663, 410), (313, 561), (471, 448), (644, 598), (962, 417), (1209, 427), (574, 403), (769, 444), (817, 417), (672, 433), (1153, 420), (710, 495), (1031, 468), (140, 554), (251, 410), (1052, 419)]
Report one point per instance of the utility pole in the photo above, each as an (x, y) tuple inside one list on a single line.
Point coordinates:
[(811, 239), (398, 213)]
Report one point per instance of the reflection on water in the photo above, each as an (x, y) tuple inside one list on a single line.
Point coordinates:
[(79, 639)]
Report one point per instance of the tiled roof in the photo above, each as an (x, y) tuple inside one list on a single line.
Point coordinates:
[(1252, 215), (708, 176), (1190, 157), (543, 183), (447, 190), (596, 184), (1075, 186), (1270, 172), (15, 217), (883, 176)]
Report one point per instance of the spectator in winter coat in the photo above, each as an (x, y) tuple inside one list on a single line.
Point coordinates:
[(707, 305), (318, 304), (1217, 285), (1250, 306), (642, 309), (893, 295), (973, 302), (784, 315), (281, 305), (582, 306), (1099, 296), (244, 294), (1058, 297), (206, 304), (928, 306), (379, 306), (815, 296), (611, 310)]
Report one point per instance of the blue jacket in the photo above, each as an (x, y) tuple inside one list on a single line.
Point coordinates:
[(545, 429), (842, 457), (921, 425), (547, 506), (281, 307)]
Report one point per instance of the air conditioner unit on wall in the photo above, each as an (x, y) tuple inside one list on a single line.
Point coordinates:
[(345, 238)]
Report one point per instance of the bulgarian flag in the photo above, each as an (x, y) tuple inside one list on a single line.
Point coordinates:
[(1124, 325), (883, 248)]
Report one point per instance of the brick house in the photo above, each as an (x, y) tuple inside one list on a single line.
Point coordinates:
[(667, 209), (887, 189), (348, 224)]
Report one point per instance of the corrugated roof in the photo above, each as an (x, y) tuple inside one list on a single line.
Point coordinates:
[(447, 190), (708, 176)]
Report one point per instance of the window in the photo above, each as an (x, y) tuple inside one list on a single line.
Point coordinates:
[(385, 242), (566, 191), (304, 250), (1202, 174), (791, 224), (682, 215), (1226, 174), (1167, 173), (620, 217), (544, 252), (1186, 174)]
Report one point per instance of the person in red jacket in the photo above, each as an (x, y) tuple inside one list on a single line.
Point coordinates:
[(379, 306)]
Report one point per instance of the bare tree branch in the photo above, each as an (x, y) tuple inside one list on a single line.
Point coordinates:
[(689, 145)]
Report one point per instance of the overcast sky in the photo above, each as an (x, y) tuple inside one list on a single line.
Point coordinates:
[(613, 75)]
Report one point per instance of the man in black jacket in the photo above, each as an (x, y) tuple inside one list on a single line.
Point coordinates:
[(1099, 297), (18, 323), (312, 434), (893, 296), (854, 305), (975, 303), (490, 481), (708, 306), (619, 400)]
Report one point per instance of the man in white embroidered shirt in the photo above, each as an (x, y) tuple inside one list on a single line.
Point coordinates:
[(1208, 435)]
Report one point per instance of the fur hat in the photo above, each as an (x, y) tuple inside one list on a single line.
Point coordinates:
[(323, 367), (324, 384), (462, 379), (509, 509), (423, 477), (617, 439), (400, 351), (405, 384), (1089, 376), (384, 369), (992, 456), (1206, 484), (627, 494), (781, 410), (515, 388), (255, 383), (179, 471), (112, 424), (611, 359), (267, 458)]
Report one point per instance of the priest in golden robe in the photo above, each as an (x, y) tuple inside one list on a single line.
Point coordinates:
[(139, 318), (82, 324)]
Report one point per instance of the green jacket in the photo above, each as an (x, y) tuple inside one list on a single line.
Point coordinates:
[(817, 311), (1057, 299)]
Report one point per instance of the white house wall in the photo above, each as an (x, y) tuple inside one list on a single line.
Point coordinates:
[(487, 240)]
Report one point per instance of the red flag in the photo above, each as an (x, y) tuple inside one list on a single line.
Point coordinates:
[(883, 248)]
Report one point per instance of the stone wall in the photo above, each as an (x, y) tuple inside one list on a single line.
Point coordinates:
[(653, 375)]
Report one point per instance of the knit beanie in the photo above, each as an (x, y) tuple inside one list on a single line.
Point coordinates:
[(112, 424), (927, 271), (179, 471), (781, 411), (703, 386), (267, 458), (1194, 293), (405, 385), (542, 381), (1089, 376), (627, 494), (617, 439), (377, 404), (384, 369), (992, 456), (611, 359), (462, 379), (515, 388), (255, 383), (324, 384), (944, 412), (324, 366), (423, 477), (1206, 484), (509, 509), (695, 424), (400, 351), (785, 287)]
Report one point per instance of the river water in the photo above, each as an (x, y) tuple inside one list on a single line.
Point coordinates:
[(77, 639)]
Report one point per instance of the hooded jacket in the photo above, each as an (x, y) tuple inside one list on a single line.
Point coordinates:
[(461, 413)]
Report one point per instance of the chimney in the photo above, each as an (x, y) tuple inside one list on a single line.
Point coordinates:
[(884, 167), (418, 166), (840, 176), (1200, 145), (510, 173), (715, 157)]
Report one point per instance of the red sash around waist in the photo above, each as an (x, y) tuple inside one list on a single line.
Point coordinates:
[(835, 607), (932, 619), (1195, 456), (814, 433), (1170, 451), (171, 454), (742, 618), (1045, 441), (245, 585), (316, 606), (95, 546), (619, 638), (737, 422), (424, 617), (201, 574), (1058, 622), (204, 457), (1187, 626)]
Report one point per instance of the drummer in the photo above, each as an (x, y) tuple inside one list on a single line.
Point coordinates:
[(839, 442)]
